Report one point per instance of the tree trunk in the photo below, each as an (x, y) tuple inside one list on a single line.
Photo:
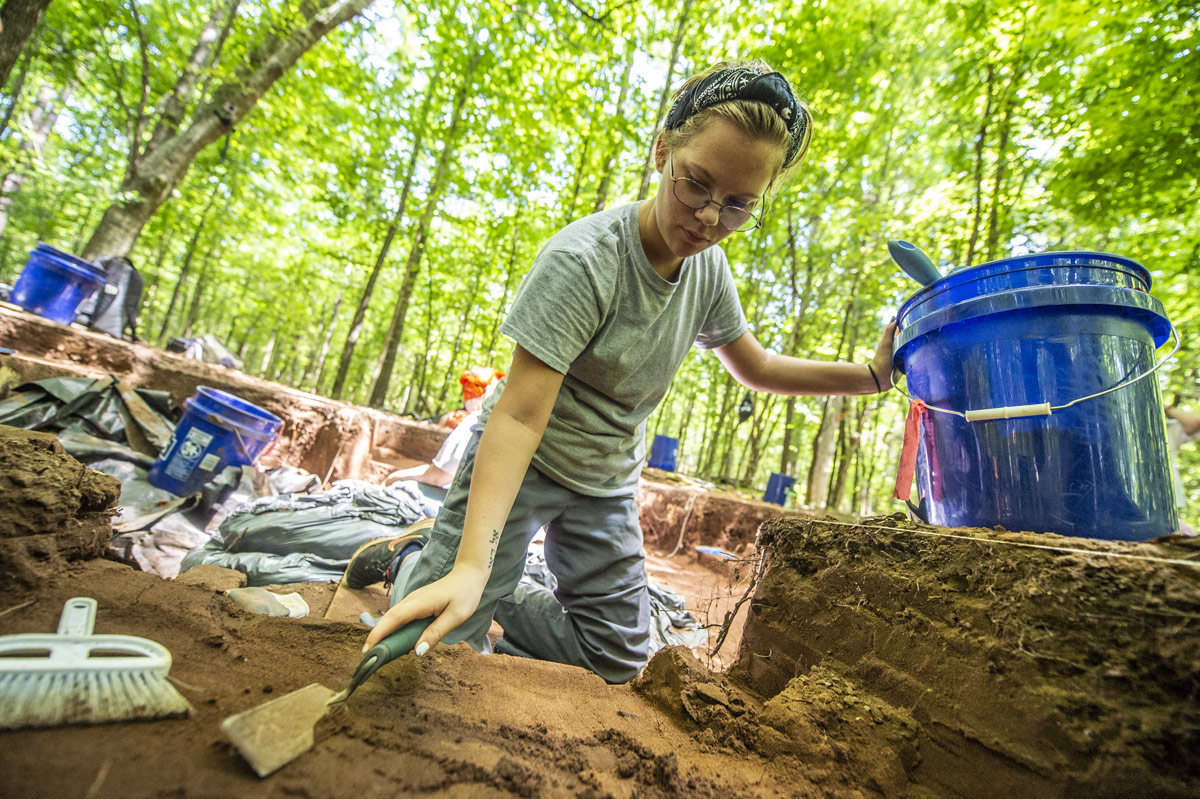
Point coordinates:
[(14, 93), (268, 354), (206, 267), (580, 169), (414, 392), (41, 122), (851, 441), (761, 422), (391, 342), (18, 18), (456, 348), (502, 306), (155, 173), (681, 27), (187, 262), (787, 456), (610, 162), (321, 359), (977, 178), (364, 302), (993, 238), (817, 489)]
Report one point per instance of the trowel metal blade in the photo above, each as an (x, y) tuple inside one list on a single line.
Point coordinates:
[(277, 732)]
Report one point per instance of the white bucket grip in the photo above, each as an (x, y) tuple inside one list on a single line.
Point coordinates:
[(1010, 412)]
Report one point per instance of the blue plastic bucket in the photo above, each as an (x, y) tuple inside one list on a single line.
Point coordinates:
[(53, 284), (663, 452), (1054, 329), (777, 488), (217, 430)]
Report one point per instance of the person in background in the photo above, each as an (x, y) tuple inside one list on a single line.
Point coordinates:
[(1182, 426), (603, 321), (477, 384)]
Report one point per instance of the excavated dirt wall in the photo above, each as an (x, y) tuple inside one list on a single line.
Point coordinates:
[(1015, 670), (341, 440), (321, 435)]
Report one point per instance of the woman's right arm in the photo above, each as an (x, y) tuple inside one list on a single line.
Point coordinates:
[(512, 434)]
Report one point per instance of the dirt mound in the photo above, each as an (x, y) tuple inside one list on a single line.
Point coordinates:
[(54, 509), (1030, 664)]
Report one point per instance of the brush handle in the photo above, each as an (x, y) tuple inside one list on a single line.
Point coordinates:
[(398, 643), (78, 616)]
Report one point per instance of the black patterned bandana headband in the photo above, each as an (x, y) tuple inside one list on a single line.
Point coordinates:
[(741, 83)]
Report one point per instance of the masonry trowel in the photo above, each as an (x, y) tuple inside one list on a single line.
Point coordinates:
[(277, 732)]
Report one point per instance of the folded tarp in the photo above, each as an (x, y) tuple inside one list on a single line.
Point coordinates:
[(299, 537)]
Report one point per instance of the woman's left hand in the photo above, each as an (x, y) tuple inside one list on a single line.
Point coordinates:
[(882, 362)]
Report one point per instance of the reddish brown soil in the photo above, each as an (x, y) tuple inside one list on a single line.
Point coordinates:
[(51, 508), (1010, 669), (878, 660)]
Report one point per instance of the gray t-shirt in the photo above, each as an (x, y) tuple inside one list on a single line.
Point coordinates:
[(593, 308)]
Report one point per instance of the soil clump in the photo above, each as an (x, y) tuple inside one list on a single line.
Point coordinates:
[(52, 508)]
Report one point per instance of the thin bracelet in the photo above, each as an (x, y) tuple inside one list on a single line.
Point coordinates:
[(878, 388)]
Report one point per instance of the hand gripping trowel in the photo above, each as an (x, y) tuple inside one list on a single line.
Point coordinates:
[(277, 732)]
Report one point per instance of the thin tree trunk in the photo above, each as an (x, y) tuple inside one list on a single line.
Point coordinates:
[(14, 93), (415, 390), (977, 178), (580, 169), (502, 306), (268, 354), (187, 261), (610, 162), (395, 331), (993, 238), (325, 343), (681, 27), (849, 454), (817, 489), (364, 302), (193, 314), (158, 170)]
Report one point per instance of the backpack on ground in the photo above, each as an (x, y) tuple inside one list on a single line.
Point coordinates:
[(117, 304)]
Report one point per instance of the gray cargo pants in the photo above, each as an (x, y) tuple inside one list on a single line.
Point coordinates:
[(597, 618)]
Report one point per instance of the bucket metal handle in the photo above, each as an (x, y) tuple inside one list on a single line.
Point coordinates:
[(1041, 408)]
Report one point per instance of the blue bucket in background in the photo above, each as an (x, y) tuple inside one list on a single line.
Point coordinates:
[(54, 284), (777, 488), (217, 430), (1053, 330), (663, 452)]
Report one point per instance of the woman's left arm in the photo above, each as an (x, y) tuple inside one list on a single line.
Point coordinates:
[(760, 370)]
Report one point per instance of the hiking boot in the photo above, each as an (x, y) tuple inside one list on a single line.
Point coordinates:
[(378, 561)]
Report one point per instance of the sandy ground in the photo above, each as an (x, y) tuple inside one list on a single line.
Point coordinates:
[(451, 724)]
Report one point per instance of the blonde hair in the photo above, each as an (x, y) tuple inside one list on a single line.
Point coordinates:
[(756, 119)]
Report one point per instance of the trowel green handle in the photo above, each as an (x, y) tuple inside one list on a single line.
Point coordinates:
[(398, 643)]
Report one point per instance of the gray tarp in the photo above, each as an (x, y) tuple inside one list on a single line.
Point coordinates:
[(298, 537)]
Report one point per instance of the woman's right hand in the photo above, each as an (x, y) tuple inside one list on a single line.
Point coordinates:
[(451, 600)]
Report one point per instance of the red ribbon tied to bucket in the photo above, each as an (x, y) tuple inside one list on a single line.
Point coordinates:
[(908, 454)]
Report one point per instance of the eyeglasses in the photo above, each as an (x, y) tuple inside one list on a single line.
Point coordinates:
[(696, 196)]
